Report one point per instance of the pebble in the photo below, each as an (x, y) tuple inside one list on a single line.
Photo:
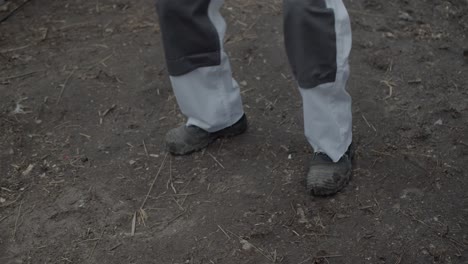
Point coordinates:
[(405, 16), (246, 245)]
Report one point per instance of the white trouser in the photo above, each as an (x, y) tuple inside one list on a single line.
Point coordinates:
[(211, 99)]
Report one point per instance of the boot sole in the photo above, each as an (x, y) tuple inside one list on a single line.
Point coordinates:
[(340, 186), (234, 130)]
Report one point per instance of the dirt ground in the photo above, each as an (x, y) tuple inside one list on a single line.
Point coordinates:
[(85, 104)]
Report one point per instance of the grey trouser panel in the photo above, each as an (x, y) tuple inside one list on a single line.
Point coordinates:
[(318, 43), (191, 41), (189, 37)]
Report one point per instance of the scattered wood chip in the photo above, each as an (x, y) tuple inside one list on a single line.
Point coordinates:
[(109, 110), (28, 170), (86, 136), (416, 81), (133, 224)]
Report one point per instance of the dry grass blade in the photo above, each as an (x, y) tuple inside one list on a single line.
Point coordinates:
[(12, 12), (146, 149), (16, 221), (225, 233), (97, 242), (216, 160), (133, 224), (12, 202), (64, 85), (154, 181), (369, 124), (390, 86), (6, 79), (142, 216)]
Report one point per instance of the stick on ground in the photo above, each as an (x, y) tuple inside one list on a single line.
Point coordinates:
[(12, 12), (65, 85), (154, 181)]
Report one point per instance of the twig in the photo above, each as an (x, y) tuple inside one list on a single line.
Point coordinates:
[(115, 247), (172, 220), (64, 85), (271, 193), (143, 216), (178, 204), (12, 202), (5, 79), (3, 19), (222, 230), (15, 49), (16, 221), (173, 195), (320, 257), (146, 150), (3, 219), (86, 136), (169, 181), (305, 260), (330, 256), (175, 218), (400, 258), (88, 240), (97, 242), (367, 122), (390, 87), (214, 158), (133, 224), (109, 110), (154, 181)]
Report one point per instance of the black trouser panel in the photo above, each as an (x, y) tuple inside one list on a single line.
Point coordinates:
[(190, 39), (310, 39)]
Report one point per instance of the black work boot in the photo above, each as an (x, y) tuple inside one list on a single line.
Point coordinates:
[(188, 139), (326, 177)]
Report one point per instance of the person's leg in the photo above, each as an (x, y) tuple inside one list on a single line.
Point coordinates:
[(200, 72), (318, 43)]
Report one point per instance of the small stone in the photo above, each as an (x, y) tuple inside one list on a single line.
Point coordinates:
[(246, 245), (2, 200), (439, 122), (405, 16), (389, 35), (302, 217)]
